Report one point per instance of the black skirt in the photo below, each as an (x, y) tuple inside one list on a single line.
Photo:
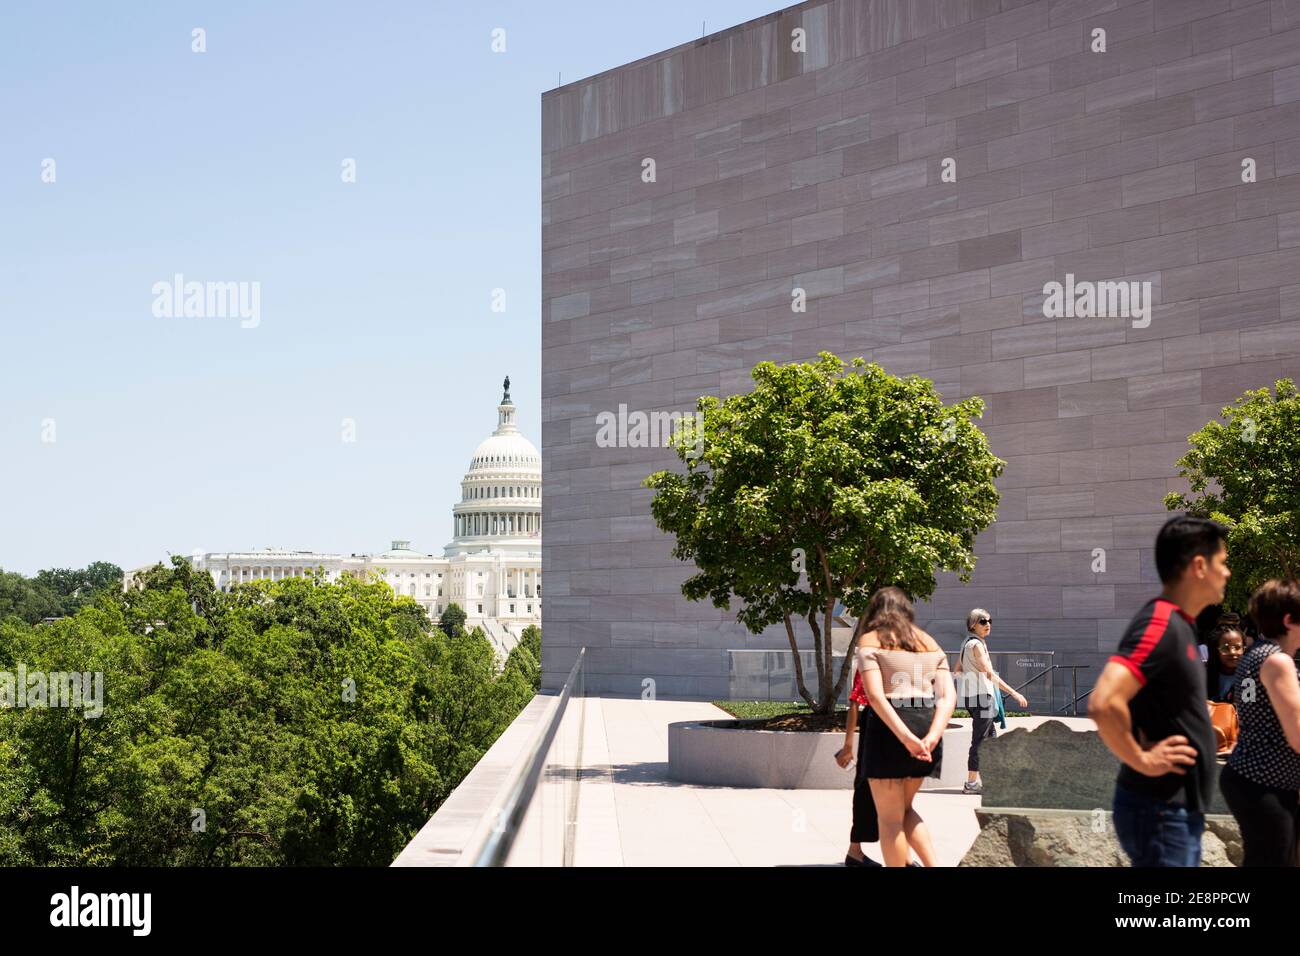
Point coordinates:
[(885, 756), (866, 827)]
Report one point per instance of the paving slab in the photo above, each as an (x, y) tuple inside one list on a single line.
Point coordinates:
[(630, 813)]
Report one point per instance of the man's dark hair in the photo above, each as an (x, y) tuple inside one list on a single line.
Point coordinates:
[(1184, 538)]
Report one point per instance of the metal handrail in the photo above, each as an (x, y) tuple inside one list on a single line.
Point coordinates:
[(496, 848), (1046, 670), (1074, 669), (1074, 685), (1074, 704), (1074, 689)]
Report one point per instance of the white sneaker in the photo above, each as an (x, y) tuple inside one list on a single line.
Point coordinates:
[(972, 786)]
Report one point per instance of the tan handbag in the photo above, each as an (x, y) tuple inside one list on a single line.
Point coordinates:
[(1223, 716)]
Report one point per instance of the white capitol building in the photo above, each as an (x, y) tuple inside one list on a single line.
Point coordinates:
[(492, 567)]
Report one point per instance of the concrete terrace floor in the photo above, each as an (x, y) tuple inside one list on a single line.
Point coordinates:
[(631, 814)]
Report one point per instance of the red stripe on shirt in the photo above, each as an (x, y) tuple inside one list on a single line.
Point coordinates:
[(1155, 630), (1137, 671)]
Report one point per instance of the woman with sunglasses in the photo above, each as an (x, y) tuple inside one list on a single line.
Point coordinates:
[(980, 681)]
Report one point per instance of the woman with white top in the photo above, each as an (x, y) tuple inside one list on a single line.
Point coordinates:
[(978, 679)]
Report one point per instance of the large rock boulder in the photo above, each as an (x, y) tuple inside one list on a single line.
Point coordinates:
[(1047, 802), (1056, 767), (1035, 836), (1049, 766)]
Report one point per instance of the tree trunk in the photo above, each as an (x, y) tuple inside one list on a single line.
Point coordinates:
[(846, 668), (798, 664), (830, 690), (822, 658)]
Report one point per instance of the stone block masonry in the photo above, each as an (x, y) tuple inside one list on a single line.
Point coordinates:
[(922, 170)]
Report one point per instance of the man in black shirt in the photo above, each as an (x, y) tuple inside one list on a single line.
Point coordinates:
[(1150, 702)]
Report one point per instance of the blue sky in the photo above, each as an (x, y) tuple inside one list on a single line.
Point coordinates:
[(177, 434)]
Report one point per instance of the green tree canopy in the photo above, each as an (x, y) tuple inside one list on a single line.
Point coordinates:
[(24, 599), (294, 722), (823, 485), (1244, 471), (526, 657), (56, 592), (77, 587), (531, 640), (453, 618)]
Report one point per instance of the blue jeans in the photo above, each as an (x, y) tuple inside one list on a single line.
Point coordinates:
[(1157, 833)]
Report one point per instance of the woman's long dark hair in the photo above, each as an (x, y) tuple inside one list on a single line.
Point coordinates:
[(890, 615)]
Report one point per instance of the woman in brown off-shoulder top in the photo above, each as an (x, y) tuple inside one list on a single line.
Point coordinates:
[(907, 679)]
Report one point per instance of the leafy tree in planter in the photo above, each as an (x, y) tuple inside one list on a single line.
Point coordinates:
[(1244, 471), (824, 484)]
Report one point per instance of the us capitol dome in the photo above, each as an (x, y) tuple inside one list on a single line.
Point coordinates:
[(492, 567), (501, 494)]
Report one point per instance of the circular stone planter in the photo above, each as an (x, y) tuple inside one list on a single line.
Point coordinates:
[(731, 753)]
